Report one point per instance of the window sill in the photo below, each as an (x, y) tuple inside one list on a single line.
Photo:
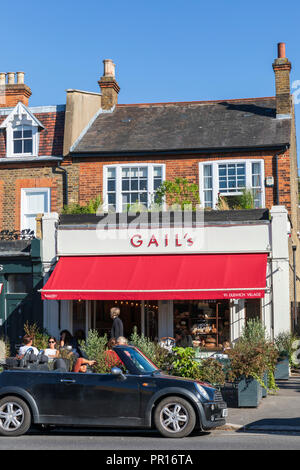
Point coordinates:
[(31, 159)]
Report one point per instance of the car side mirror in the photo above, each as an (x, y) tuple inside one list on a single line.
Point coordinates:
[(118, 372)]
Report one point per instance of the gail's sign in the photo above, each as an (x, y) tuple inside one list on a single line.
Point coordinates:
[(161, 240)]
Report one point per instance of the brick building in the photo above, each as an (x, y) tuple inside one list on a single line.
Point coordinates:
[(31, 149), (123, 152), (31, 182)]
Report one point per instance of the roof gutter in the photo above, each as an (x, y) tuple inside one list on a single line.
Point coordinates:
[(140, 153)]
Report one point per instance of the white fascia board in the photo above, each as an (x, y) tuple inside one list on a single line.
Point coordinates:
[(20, 109)]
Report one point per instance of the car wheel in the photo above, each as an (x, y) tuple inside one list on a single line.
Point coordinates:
[(174, 417), (15, 417)]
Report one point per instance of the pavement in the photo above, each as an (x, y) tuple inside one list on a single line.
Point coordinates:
[(279, 412)]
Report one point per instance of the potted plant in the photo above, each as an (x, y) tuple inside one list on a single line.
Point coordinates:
[(247, 367), (284, 343)]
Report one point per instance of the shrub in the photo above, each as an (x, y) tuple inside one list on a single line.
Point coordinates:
[(211, 371), (285, 345), (184, 364), (94, 347), (40, 336), (158, 355), (91, 207)]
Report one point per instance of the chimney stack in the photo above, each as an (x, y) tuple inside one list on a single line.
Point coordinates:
[(109, 86), (11, 91), (282, 68)]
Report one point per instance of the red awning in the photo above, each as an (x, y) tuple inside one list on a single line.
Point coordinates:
[(158, 277)]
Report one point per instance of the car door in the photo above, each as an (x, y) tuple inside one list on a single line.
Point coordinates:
[(88, 398)]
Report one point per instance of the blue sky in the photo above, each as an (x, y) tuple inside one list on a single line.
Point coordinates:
[(164, 50)]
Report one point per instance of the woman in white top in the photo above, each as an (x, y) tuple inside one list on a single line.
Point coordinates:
[(51, 351)]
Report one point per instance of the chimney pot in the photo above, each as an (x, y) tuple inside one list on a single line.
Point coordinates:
[(281, 50), (2, 78), (10, 78), (109, 68), (20, 77)]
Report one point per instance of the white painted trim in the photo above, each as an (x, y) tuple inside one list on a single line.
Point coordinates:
[(215, 178), (25, 191), (118, 168)]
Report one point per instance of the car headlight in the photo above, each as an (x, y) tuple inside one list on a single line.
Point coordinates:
[(202, 391)]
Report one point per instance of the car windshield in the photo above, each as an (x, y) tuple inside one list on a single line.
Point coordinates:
[(140, 361)]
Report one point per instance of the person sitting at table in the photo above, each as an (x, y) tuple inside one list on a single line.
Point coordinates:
[(81, 365), (27, 344), (51, 351), (111, 358)]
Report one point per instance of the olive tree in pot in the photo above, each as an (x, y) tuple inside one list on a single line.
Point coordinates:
[(286, 344), (252, 364)]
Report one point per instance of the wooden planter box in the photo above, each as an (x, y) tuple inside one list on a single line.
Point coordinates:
[(249, 393), (282, 371)]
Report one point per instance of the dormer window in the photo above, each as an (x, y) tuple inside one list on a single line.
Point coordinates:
[(22, 133), (22, 140)]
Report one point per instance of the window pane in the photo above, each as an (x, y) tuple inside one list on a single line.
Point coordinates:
[(111, 185), (157, 171), (207, 170), (111, 173), (27, 134), (134, 184), (111, 199), (18, 146), (143, 185), (143, 172), (157, 183), (19, 283), (17, 134), (27, 146), (125, 184)]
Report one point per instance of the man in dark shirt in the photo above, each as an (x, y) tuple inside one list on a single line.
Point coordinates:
[(117, 326)]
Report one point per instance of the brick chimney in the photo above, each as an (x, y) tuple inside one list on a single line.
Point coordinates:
[(282, 68), (109, 86), (13, 89)]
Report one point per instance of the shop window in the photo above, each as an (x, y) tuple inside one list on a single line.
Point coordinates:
[(130, 314), (207, 322), (19, 283), (229, 178), (127, 185), (253, 309)]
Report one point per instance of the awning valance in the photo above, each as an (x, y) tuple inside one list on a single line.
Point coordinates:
[(158, 277)]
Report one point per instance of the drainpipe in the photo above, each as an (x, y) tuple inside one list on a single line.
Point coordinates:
[(65, 197), (294, 247), (277, 174)]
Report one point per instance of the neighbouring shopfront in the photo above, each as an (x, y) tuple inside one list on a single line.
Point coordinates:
[(204, 280), (21, 277)]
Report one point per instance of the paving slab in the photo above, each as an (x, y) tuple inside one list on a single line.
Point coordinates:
[(279, 412)]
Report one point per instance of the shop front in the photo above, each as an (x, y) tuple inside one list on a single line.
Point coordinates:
[(203, 281)]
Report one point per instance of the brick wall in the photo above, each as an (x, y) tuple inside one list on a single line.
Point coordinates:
[(89, 172), (12, 180)]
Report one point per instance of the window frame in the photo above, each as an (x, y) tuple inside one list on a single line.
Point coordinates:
[(24, 192), (215, 178), (11, 128), (119, 167)]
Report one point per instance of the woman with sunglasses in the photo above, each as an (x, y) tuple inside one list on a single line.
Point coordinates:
[(51, 351)]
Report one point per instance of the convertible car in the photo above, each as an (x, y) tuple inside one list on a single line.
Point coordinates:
[(139, 396)]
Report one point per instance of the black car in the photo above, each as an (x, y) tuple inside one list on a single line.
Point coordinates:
[(141, 397)]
